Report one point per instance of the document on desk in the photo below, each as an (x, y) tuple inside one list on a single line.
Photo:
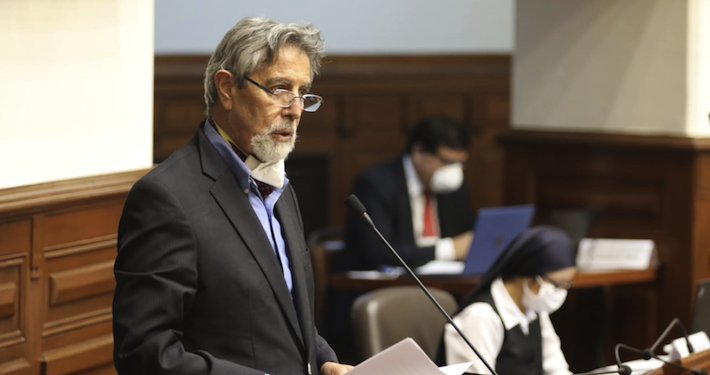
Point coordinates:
[(441, 267), (404, 358)]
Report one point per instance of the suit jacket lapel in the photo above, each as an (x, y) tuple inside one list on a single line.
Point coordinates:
[(288, 216), (235, 204), (403, 205)]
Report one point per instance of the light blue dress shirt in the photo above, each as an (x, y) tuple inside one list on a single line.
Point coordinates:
[(263, 208)]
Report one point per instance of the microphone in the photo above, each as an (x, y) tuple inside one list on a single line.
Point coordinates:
[(354, 204), (646, 354), (621, 368)]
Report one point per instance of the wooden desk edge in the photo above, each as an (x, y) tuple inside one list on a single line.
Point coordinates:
[(592, 279), (465, 283)]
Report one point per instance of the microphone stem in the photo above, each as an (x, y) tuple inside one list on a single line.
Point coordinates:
[(663, 335), (675, 321), (632, 349), (433, 300)]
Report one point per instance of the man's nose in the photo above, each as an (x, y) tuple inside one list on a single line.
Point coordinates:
[(295, 110)]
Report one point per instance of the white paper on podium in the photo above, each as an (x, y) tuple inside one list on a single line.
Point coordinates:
[(404, 358)]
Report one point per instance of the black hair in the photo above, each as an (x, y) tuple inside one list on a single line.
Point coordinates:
[(434, 131)]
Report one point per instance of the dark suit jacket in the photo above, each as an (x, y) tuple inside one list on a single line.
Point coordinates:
[(199, 288), (383, 191)]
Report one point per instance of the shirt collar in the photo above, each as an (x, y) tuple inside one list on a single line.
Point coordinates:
[(271, 173), (235, 164), (414, 185), (509, 312)]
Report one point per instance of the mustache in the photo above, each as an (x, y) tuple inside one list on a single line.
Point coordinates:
[(281, 127)]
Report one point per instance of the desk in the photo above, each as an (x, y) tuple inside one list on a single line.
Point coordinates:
[(460, 286), (586, 304)]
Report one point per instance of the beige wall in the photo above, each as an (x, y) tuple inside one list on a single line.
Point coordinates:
[(698, 67), (631, 66), (349, 27), (76, 88)]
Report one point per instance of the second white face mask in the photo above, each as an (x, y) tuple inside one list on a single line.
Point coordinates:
[(548, 299), (447, 179)]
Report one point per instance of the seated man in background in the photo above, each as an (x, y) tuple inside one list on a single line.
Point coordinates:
[(417, 200)]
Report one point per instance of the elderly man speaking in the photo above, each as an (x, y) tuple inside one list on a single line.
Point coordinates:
[(213, 274)]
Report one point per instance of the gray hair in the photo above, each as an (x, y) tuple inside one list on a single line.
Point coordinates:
[(255, 42)]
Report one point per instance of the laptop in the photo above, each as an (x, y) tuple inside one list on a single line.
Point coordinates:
[(494, 229), (574, 222), (701, 311)]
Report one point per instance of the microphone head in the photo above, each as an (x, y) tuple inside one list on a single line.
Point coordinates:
[(355, 205), (647, 354), (624, 370)]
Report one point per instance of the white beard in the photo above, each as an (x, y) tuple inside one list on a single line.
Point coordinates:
[(266, 149)]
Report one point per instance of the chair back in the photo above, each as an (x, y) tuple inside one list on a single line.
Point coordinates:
[(325, 244), (383, 317)]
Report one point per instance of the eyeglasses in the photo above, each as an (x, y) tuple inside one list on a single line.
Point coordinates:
[(566, 285), (285, 98), (446, 161)]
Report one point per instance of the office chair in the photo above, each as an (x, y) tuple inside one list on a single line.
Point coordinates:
[(383, 317), (325, 244)]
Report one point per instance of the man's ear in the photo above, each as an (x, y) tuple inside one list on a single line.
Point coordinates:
[(224, 81)]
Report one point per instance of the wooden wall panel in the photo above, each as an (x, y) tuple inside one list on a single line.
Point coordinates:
[(644, 187), (11, 282), (16, 367), (369, 104), (80, 283), (93, 355), (647, 187), (68, 227), (15, 237), (57, 247)]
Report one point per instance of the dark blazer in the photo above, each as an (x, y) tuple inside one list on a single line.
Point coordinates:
[(199, 289), (383, 191)]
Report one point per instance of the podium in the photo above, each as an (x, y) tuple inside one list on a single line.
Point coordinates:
[(700, 360)]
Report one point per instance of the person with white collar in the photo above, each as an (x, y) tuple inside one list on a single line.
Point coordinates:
[(506, 317)]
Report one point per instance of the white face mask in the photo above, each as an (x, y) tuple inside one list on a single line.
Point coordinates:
[(447, 179), (548, 299)]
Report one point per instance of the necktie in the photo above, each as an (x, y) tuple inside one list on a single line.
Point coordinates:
[(429, 225)]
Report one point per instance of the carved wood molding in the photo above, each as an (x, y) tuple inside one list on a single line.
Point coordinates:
[(39, 198), (16, 367), (616, 140), (181, 69), (78, 357)]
